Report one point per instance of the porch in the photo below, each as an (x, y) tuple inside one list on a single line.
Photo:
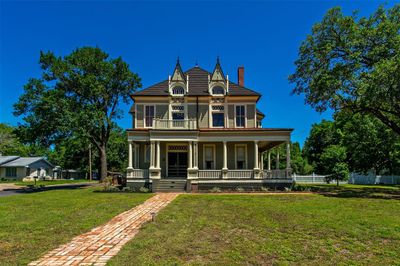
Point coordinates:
[(203, 161)]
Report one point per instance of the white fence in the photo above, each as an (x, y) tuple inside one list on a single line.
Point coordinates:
[(372, 179), (314, 179), (355, 178)]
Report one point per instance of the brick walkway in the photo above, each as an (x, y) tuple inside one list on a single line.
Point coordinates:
[(101, 243)]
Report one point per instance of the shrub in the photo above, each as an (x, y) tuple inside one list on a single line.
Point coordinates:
[(128, 189), (144, 189), (215, 189), (265, 189), (240, 189), (287, 189)]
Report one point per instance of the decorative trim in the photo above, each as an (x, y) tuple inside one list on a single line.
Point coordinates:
[(245, 115)]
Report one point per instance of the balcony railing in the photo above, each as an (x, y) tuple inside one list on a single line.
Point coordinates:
[(210, 174), (189, 124)]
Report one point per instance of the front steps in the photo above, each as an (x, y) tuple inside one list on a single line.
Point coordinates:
[(169, 185)]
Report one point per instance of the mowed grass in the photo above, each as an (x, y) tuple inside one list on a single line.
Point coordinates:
[(54, 182), (33, 224), (269, 229)]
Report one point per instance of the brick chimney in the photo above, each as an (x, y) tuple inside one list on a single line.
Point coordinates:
[(241, 76)]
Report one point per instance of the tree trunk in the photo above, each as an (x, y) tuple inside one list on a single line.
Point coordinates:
[(103, 162), (337, 181)]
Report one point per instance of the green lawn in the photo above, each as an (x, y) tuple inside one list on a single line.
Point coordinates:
[(33, 224), (330, 229), (53, 182)]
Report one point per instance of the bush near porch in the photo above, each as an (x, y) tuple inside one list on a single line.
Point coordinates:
[(270, 229)]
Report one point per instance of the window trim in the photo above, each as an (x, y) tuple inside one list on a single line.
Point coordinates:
[(218, 112), (214, 156), (145, 117), (245, 156), (218, 94), (245, 115), (178, 94)]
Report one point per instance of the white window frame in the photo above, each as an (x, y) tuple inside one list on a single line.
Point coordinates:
[(145, 116), (178, 94), (218, 111), (218, 94), (178, 111), (245, 115), (214, 156), (245, 156)]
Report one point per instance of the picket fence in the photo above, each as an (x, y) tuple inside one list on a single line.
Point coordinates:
[(355, 178)]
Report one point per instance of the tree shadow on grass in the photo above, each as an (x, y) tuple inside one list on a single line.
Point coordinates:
[(20, 191), (364, 192)]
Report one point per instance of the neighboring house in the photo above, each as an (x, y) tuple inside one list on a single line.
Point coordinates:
[(200, 130), (15, 167)]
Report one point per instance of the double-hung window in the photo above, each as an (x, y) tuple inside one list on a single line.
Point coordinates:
[(240, 116), (149, 115), (218, 116), (209, 157), (241, 156), (11, 172)]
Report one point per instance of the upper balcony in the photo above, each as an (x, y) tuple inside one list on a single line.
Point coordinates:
[(177, 124)]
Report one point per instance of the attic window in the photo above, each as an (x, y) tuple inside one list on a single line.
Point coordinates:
[(218, 90), (178, 91)]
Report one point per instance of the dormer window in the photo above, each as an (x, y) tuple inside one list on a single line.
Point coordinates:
[(178, 90), (218, 90)]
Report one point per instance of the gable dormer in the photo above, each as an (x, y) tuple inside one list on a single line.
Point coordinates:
[(178, 83), (218, 85)]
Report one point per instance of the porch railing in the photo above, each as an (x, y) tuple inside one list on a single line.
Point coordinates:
[(140, 173), (210, 174), (174, 124), (240, 174)]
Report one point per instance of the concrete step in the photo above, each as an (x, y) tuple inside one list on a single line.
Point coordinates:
[(169, 185)]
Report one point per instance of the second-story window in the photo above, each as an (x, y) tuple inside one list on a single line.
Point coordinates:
[(149, 115), (218, 116), (178, 90), (240, 116), (178, 112), (218, 90)]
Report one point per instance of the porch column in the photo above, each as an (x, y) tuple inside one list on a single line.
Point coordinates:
[(269, 160), (190, 154), (288, 155), (152, 157), (158, 157), (262, 161), (136, 161), (277, 158), (256, 154), (225, 165), (196, 155), (130, 155)]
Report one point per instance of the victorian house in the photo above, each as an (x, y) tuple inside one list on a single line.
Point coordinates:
[(197, 130)]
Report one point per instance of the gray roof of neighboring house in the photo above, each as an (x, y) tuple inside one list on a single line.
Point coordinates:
[(6, 159), (23, 161), (198, 86)]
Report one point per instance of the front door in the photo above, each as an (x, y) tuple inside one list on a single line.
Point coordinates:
[(177, 164)]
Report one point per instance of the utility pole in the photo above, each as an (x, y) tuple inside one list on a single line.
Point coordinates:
[(90, 162)]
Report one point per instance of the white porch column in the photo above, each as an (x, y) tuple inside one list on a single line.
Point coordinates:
[(262, 161), (152, 157), (288, 155), (269, 160), (196, 155), (225, 165), (130, 155), (158, 155), (190, 154), (277, 158), (256, 154)]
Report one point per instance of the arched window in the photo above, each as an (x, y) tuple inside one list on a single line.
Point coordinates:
[(178, 90), (218, 90)]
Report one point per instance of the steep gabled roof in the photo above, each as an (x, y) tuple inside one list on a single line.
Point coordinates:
[(198, 86)]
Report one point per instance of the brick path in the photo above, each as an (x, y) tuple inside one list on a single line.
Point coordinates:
[(101, 243)]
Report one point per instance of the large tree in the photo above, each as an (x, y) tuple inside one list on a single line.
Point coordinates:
[(77, 95), (351, 63)]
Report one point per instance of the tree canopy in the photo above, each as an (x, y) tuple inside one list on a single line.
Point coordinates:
[(351, 63), (76, 95)]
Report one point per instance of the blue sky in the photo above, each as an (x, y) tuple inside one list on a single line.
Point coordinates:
[(264, 37)]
